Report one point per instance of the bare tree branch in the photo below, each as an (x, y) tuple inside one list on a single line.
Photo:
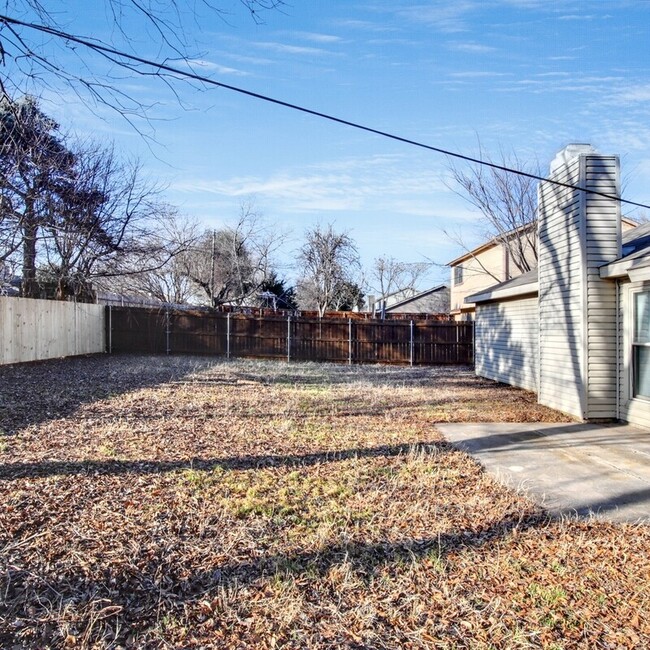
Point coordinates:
[(508, 203), (31, 64), (328, 261)]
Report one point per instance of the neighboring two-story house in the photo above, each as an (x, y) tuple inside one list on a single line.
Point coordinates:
[(492, 263), (488, 264)]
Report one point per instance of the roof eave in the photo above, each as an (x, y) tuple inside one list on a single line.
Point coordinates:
[(502, 294)]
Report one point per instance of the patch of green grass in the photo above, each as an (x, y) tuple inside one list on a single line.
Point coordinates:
[(108, 451), (435, 557), (548, 595)]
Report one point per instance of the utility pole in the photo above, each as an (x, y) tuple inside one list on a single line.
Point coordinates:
[(212, 262)]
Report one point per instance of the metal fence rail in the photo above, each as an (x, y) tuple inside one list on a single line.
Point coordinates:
[(290, 338)]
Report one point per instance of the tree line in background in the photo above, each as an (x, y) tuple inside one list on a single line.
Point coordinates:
[(77, 219)]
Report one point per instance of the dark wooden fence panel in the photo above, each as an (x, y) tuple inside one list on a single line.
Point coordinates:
[(427, 342), (197, 333), (258, 336), (136, 330)]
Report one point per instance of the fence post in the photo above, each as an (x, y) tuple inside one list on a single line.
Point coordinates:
[(167, 325), (412, 348), (288, 339), (228, 335), (349, 341), (110, 329)]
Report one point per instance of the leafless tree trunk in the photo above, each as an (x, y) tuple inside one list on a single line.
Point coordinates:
[(231, 264), (328, 261)]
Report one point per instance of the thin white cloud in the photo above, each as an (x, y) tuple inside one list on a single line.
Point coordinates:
[(364, 25), (317, 38), (632, 95), (479, 74), (347, 185), (472, 48), (576, 17), (203, 64), (243, 58), (284, 48), (442, 15)]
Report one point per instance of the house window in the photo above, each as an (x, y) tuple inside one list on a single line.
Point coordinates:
[(458, 275), (641, 344)]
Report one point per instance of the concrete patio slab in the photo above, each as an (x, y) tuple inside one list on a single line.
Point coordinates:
[(581, 469)]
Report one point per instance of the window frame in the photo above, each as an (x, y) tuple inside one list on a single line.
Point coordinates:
[(459, 274), (636, 344)]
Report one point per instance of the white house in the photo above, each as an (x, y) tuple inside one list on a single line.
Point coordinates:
[(577, 329)]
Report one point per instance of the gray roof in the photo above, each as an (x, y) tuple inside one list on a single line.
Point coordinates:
[(417, 296), (636, 241), (635, 253), (519, 286)]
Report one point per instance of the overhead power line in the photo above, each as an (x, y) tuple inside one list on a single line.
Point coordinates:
[(105, 50)]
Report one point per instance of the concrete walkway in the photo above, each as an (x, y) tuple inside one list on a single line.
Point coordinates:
[(568, 468)]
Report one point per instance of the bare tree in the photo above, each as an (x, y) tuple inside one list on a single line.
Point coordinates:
[(389, 275), (33, 162), (158, 269), (230, 265), (36, 52), (69, 213), (328, 262), (100, 220), (508, 203)]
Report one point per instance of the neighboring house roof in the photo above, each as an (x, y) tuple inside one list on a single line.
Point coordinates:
[(519, 286), (495, 241), (635, 259), (416, 297), (396, 297), (491, 243)]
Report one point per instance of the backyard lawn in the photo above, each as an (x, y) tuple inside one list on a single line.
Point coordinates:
[(185, 502)]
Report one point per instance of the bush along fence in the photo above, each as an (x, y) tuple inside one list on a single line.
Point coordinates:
[(288, 337)]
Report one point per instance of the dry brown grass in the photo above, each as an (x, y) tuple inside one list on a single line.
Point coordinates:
[(190, 503)]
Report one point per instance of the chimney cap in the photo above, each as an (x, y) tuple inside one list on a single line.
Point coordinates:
[(570, 152)]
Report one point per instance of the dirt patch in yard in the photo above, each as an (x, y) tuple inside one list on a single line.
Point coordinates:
[(153, 502)]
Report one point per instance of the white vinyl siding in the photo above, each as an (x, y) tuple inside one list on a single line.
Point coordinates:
[(603, 245), (578, 233), (635, 410), (506, 342), (560, 293)]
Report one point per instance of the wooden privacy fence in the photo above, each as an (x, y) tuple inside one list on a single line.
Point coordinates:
[(289, 338), (32, 329)]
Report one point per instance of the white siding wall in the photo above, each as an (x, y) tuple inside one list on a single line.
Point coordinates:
[(633, 410), (31, 330), (577, 311), (603, 244), (506, 342), (560, 305)]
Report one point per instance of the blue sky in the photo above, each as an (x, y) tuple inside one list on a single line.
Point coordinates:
[(528, 76)]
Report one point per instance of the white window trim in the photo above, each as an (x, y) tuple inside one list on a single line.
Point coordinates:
[(629, 344)]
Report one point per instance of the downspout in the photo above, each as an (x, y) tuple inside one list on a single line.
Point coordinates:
[(618, 350)]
